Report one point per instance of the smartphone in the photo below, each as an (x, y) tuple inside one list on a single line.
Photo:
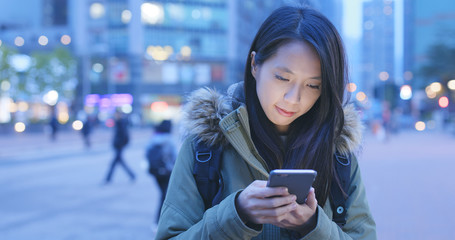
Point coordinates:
[(298, 181)]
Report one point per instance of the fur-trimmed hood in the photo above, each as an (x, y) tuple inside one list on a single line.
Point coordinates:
[(206, 107)]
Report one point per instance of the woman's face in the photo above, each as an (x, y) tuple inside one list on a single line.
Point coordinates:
[(288, 83)]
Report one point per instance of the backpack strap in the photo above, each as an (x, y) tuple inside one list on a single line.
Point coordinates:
[(207, 173), (338, 195)]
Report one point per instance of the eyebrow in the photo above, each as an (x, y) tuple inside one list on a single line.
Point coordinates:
[(287, 70)]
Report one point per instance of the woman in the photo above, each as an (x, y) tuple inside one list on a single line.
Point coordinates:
[(288, 114)]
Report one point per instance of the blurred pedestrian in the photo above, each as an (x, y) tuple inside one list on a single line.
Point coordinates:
[(386, 115), (86, 130), (53, 123), (161, 155), (121, 139)]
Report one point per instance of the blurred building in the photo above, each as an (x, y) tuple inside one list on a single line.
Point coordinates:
[(143, 56), (378, 48), (397, 37), (433, 59), (432, 24), (156, 51)]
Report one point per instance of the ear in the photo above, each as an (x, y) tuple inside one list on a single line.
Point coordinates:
[(253, 64)]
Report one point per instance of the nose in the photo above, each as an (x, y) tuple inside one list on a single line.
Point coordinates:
[(293, 95)]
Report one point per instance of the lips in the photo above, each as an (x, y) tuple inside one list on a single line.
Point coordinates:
[(284, 112)]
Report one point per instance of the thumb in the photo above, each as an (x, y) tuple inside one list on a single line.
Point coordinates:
[(311, 199)]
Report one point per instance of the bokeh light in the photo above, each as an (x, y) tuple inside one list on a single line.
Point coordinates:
[(97, 10), (19, 41), (19, 127), (51, 97), (451, 84), (126, 108), (63, 117), (21, 62), (77, 125), (159, 53), (65, 39), (98, 67), (361, 96), (126, 16), (5, 86), (383, 76), (420, 126), (185, 51), (430, 93), (405, 92), (351, 87), (388, 10), (436, 87), (443, 102), (22, 106), (12, 107), (159, 106), (408, 75), (152, 13), (368, 25), (43, 40)]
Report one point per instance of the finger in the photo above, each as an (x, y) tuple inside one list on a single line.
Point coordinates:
[(311, 199), (259, 183), (254, 190), (259, 189), (278, 212), (274, 216), (275, 191), (274, 202)]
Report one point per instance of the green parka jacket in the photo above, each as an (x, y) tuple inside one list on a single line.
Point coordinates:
[(212, 118)]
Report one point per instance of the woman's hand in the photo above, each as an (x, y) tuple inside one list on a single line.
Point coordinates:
[(297, 218), (260, 204)]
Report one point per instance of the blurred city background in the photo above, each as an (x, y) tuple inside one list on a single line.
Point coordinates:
[(67, 65)]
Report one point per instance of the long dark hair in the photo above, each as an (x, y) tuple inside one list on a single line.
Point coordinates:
[(310, 143)]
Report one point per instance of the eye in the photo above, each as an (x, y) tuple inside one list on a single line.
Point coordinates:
[(281, 78), (314, 86)]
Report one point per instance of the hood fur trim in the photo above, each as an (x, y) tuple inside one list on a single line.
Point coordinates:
[(202, 115), (351, 135), (206, 107)]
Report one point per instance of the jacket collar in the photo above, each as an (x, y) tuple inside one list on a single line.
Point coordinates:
[(206, 108)]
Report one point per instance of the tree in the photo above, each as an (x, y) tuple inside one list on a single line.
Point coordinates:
[(52, 71), (7, 72), (440, 64), (440, 68)]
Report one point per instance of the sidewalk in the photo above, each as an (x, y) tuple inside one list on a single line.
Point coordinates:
[(38, 146), (409, 184), (54, 190)]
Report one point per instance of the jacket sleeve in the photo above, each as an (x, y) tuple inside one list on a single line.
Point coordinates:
[(359, 222), (183, 215)]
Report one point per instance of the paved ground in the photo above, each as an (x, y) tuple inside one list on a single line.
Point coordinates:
[(410, 185), (54, 190)]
